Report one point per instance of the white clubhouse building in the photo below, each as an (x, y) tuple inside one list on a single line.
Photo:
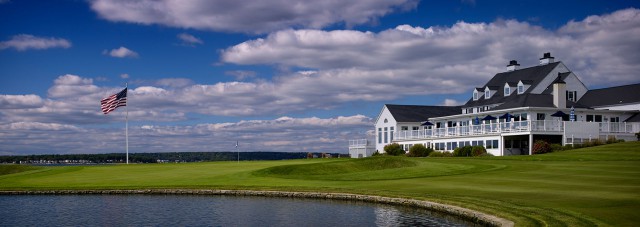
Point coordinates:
[(511, 111)]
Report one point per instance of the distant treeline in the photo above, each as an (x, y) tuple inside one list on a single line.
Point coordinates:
[(159, 157)]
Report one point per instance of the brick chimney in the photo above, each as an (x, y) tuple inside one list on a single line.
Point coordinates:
[(559, 93), (546, 59), (513, 65)]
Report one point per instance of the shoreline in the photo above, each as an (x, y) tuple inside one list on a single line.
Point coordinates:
[(467, 214)]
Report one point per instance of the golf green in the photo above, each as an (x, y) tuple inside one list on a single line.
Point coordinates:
[(582, 187)]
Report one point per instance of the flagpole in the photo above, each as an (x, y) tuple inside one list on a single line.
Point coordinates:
[(238, 151), (126, 124)]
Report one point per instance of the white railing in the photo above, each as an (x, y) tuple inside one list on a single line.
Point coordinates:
[(619, 127), (358, 143), (508, 127)]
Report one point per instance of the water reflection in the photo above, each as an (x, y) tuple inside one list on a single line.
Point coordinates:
[(183, 210)]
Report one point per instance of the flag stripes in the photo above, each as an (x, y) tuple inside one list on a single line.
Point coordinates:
[(114, 101)]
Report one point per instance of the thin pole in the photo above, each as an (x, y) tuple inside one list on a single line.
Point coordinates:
[(238, 151), (126, 124)]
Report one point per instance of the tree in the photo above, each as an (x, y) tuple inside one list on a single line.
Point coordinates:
[(419, 150), (394, 149)]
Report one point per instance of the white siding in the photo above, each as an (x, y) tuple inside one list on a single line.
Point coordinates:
[(380, 124)]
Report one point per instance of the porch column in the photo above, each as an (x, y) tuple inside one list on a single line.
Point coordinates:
[(530, 144), (501, 145)]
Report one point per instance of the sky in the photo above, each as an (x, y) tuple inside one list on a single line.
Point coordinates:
[(277, 75)]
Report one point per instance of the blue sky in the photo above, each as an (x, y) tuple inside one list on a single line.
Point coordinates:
[(276, 75)]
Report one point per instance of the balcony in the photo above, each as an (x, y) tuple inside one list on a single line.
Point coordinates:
[(358, 143), (546, 126)]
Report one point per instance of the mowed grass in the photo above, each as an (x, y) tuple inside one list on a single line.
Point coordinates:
[(583, 187)]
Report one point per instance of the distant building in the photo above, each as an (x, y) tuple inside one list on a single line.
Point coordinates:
[(513, 109)]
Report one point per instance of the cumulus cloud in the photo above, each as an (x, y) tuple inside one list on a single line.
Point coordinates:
[(411, 60), (252, 16), (451, 102), (188, 39), (121, 52), (241, 75), (20, 101), (24, 42), (281, 134)]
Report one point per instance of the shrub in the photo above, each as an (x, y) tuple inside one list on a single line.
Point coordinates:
[(541, 147), (557, 147), (440, 154), (478, 151), (419, 150), (377, 153), (394, 149), (457, 152), (465, 151)]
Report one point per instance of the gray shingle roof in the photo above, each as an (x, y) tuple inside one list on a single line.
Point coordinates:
[(532, 100), (413, 113), (612, 96), (531, 75), (634, 118), (563, 76)]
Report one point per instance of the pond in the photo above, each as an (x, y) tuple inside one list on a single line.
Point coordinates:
[(200, 210)]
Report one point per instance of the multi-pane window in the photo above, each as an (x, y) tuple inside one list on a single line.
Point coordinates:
[(594, 118), (520, 89), (379, 135), (572, 96), (507, 91), (386, 135), (391, 133)]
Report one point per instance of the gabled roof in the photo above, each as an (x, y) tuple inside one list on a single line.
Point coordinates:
[(513, 83), (634, 118), (412, 113), (612, 96), (531, 76), (527, 82), (563, 77), (532, 100)]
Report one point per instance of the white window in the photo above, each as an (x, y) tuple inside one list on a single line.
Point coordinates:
[(520, 88), (487, 94), (507, 91), (386, 135), (391, 134), (475, 95), (572, 96)]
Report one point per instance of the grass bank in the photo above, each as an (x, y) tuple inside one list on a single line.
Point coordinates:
[(583, 187)]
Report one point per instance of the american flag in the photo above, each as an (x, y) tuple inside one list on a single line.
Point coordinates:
[(114, 101)]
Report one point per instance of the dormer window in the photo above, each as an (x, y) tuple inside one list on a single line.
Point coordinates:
[(507, 89), (487, 93), (520, 88), (475, 95)]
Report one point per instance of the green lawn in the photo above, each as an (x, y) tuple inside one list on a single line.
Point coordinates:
[(583, 187)]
